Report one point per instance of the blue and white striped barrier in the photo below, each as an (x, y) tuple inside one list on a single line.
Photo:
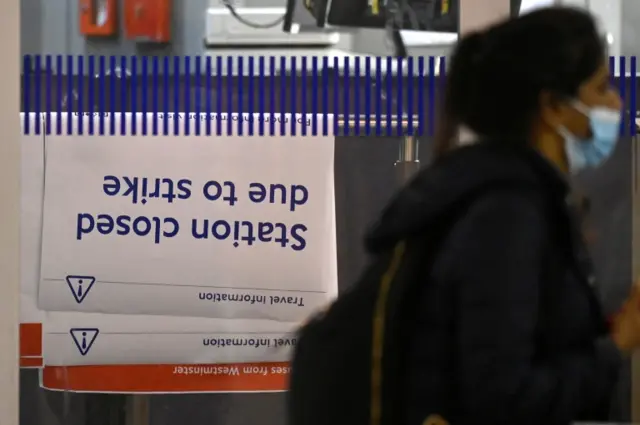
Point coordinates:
[(364, 95)]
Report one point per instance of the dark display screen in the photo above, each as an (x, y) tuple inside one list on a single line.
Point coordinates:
[(421, 15)]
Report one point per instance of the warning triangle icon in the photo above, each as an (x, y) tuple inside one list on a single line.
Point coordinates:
[(80, 286), (84, 338)]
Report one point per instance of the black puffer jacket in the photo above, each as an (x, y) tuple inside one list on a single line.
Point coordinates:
[(509, 330)]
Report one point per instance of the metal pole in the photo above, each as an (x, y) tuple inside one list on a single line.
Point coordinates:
[(138, 410), (408, 162), (475, 15)]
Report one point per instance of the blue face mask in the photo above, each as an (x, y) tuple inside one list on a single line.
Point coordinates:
[(592, 152)]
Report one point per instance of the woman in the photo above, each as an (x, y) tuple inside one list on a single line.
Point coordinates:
[(509, 329)]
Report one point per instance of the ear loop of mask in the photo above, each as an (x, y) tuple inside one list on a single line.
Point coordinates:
[(586, 112), (572, 144)]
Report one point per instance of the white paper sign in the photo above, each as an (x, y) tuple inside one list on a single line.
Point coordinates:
[(72, 339), (31, 201), (220, 227), (99, 339)]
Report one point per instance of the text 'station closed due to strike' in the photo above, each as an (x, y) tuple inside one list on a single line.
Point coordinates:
[(230, 228), (143, 190)]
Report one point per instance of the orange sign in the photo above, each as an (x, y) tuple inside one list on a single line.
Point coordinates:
[(168, 378), (244, 377), (30, 345)]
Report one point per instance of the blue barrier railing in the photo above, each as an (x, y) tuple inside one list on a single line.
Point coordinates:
[(367, 95)]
